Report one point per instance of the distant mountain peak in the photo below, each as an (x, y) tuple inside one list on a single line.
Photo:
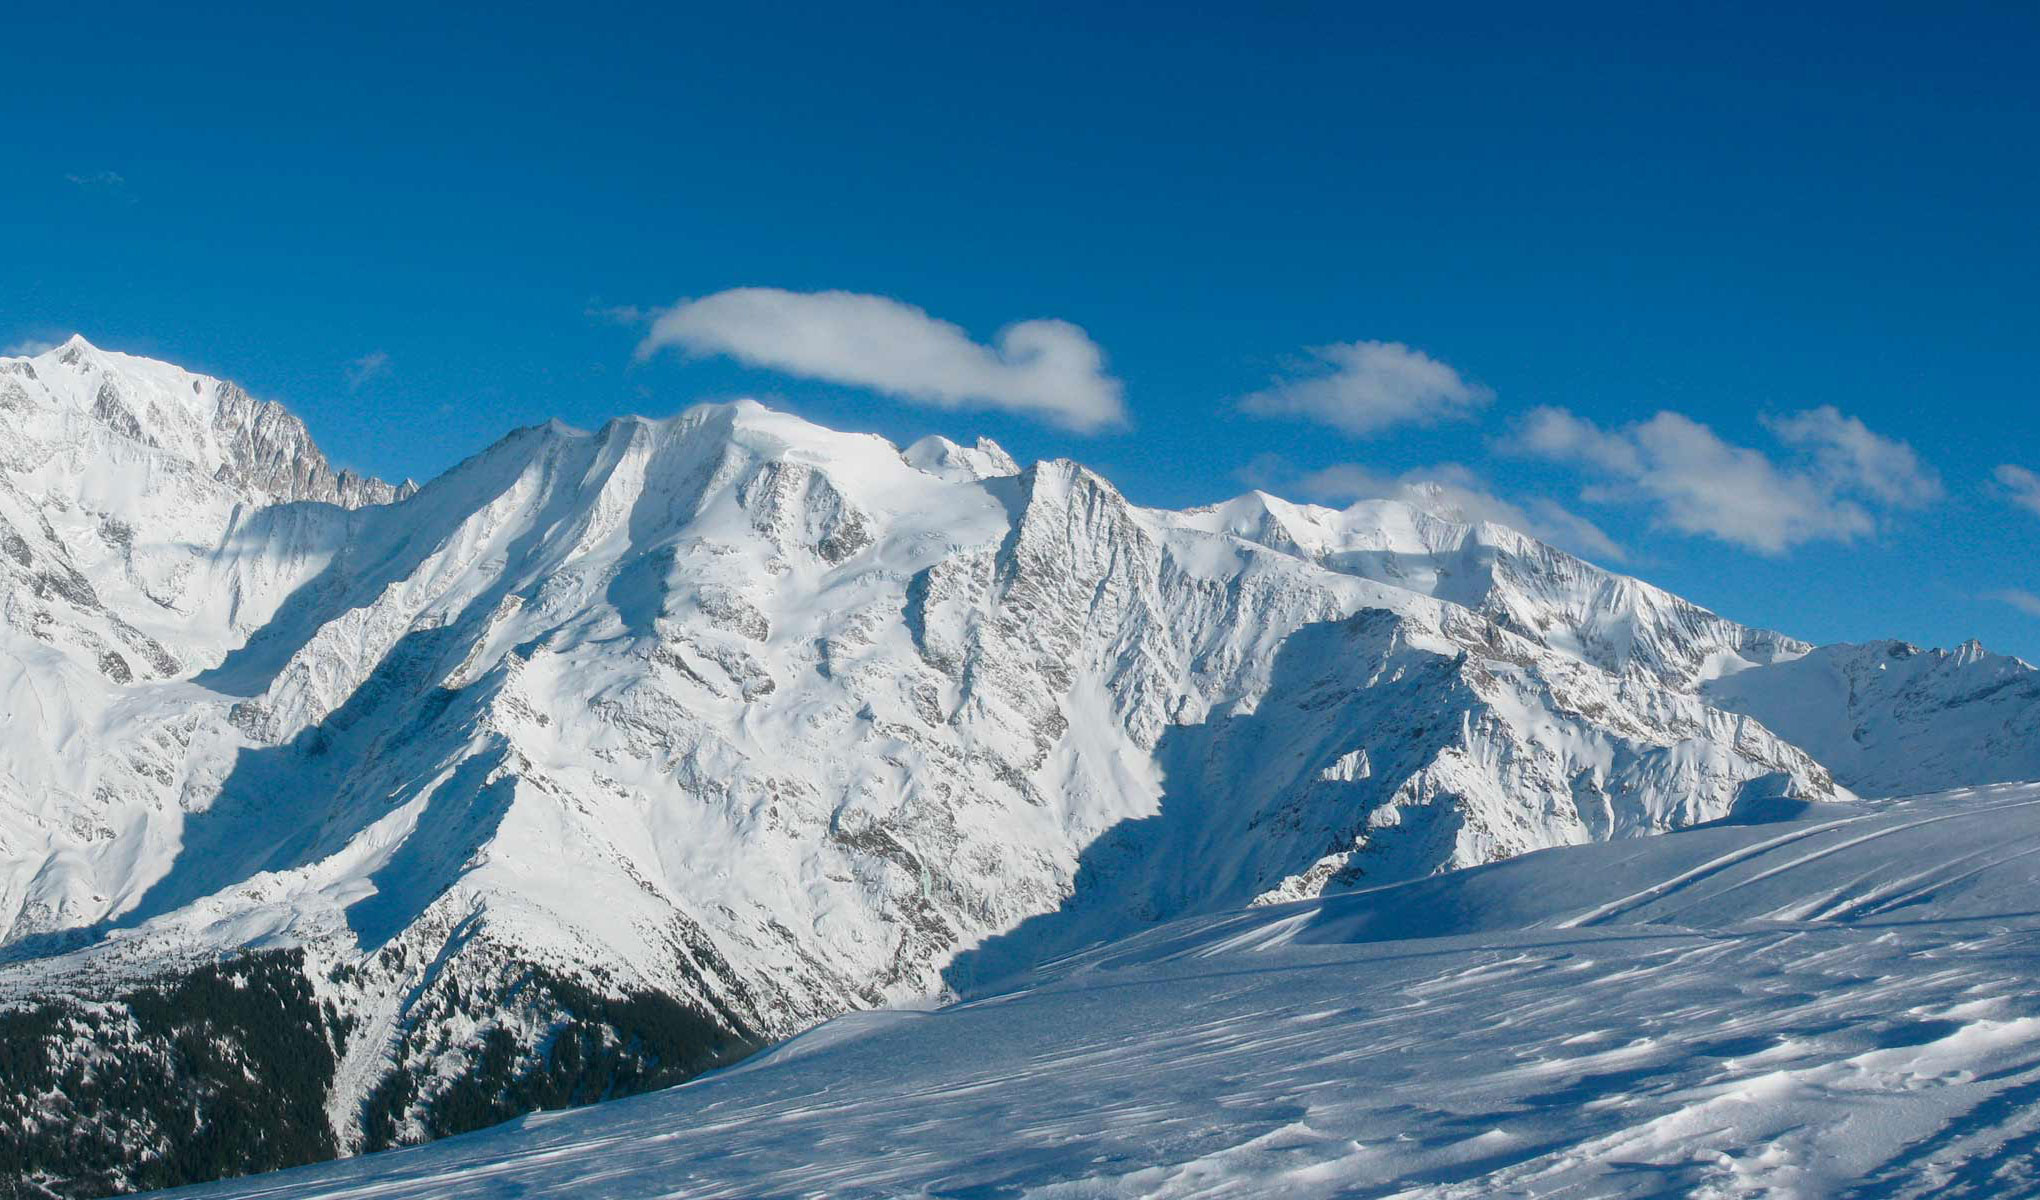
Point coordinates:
[(72, 351), (184, 420)]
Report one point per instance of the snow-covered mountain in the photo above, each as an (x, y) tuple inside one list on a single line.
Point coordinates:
[(762, 722), (1891, 718), (150, 520), (1835, 1005)]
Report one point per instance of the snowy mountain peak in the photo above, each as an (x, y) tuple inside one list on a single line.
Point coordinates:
[(76, 404), (941, 457), (72, 351), (1973, 651)]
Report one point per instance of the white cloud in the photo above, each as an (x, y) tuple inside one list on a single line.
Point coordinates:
[(1041, 368), (2025, 601), (1699, 484), (1850, 456), (1451, 491), (367, 367), (28, 347), (2021, 486), (1371, 386)]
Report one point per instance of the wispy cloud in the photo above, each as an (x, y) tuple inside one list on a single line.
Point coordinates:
[(29, 347), (2019, 598), (104, 183), (617, 314), (369, 366), (1850, 457), (1047, 369), (1365, 387), (2022, 487), (1449, 490), (1697, 483)]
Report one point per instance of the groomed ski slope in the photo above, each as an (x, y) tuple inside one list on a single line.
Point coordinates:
[(1846, 1001)]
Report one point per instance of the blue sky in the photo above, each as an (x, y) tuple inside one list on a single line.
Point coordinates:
[(1325, 249)]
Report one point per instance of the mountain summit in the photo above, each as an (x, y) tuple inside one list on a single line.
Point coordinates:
[(675, 737)]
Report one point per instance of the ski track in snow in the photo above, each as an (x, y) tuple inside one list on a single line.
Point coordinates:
[(1841, 1005)]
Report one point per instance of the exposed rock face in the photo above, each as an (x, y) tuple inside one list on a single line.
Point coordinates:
[(268, 452), (761, 719)]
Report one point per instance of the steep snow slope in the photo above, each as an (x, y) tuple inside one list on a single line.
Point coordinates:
[(1837, 1004), (764, 719)]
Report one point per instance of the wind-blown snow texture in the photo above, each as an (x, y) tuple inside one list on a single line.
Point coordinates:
[(1837, 1004), (775, 721)]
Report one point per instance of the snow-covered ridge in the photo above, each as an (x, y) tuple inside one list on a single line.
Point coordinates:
[(1903, 718), (779, 721)]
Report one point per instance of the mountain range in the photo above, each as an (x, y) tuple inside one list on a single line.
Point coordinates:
[(607, 757)]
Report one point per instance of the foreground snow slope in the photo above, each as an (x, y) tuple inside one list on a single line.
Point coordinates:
[(1837, 1002)]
